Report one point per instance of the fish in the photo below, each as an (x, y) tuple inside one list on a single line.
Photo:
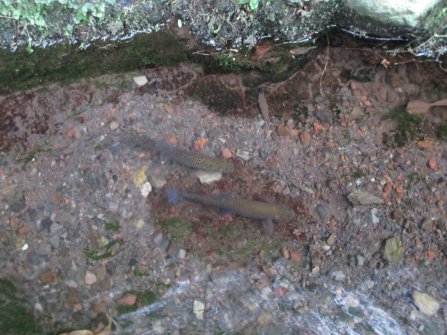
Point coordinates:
[(242, 207), (192, 159)]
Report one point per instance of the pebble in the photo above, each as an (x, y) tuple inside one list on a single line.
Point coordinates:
[(393, 251), (140, 176), (360, 260), (146, 189), (207, 177), (363, 198), (432, 164), (339, 276), (304, 137), (114, 125), (182, 253), (323, 212), (158, 182), (90, 278), (140, 80), (243, 154), (374, 217), (426, 303), (198, 309), (128, 300)]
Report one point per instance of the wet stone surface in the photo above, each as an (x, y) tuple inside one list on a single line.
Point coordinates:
[(87, 246)]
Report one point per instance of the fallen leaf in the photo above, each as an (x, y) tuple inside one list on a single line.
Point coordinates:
[(424, 144)]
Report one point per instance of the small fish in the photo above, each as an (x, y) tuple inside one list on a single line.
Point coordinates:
[(243, 207), (191, 159)]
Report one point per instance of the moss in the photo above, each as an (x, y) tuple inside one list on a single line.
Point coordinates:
[(21, 70), (15, 317), (105, 251), (441, 132), (177, 228), (407, 127), (113, 226)]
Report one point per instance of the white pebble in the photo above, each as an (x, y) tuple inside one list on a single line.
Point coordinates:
[(198, 309), (145, 189), (426, 303), (140, 80)]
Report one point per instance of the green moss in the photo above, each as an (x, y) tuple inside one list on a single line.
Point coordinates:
[(441, 133), (113, 226), (15, 317), (21, 70), (177, 228), (407, 127), (105, 251)]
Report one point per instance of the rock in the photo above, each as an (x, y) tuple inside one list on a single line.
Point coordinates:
[(304, 137), (243, 154), (363, 198), (226, 153), (113, 125), (158, 182), (393, 251), (146, 189), (198, 309), (360, 260), (128, 300), (139, 178), (140, 80), (90, 278), (339, 276), (323, 212), (426, 303), (47, 277), (207, 177), (432, 164), (182, 253), (374, 217)]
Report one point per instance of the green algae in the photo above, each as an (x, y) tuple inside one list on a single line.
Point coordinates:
[(67, 63), (15, 315)]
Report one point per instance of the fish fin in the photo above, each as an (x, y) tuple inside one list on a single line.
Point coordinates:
[(173, 196), (269, 228)]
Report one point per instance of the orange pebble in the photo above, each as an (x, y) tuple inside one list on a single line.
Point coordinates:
[(200, 143), (432, 164)]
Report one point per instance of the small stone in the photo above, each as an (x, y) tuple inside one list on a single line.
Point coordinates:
[(139, 178), (331, 240), (139, 224), (295, 257), (182, 253), (339, 276), (226, 153), (323, 212), (207, 177), (363, 198), (394, 251), (432, 164), (158, 182), (90, 278), (113, 125), (374, 217), (426, 303), (128, 300), (145, 189), (305, 137), (360, 260), (47, 277), (243, 154), (198, 309), (140, 80)]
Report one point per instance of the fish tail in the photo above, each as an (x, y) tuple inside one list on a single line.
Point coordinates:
[(173, 196)]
